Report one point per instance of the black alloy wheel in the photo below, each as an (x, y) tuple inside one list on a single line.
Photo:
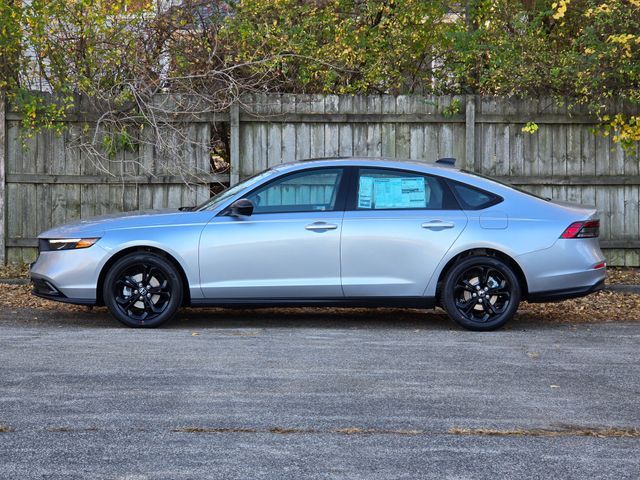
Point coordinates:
[(143, 290), (481, 293)]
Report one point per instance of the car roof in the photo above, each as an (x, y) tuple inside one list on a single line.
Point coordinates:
[(366, 161)]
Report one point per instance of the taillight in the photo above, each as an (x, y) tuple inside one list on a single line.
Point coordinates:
[(588, 229)]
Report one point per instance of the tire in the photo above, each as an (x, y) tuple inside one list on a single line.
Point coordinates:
[(466, 293), (143, 290)]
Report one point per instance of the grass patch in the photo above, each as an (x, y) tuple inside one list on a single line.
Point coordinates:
[(376, 431), (214, 430), (71, 429), (570, 431), (293, 431)]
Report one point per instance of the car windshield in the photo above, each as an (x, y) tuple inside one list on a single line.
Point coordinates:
[(506, 184), (216, 200)]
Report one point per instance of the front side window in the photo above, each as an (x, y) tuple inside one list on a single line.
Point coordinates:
[(218, 199), (309, 191), (382, 189)]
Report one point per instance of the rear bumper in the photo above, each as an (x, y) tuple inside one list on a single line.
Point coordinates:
[(569, 268), (565, 293)]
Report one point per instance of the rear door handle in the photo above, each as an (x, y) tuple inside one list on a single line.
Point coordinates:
[(315, 226), (437, 225)]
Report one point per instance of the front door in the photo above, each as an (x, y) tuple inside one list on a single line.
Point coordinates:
[(288, 248)]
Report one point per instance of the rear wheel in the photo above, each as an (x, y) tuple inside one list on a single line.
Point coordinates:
[(143, 290), (480, 293)]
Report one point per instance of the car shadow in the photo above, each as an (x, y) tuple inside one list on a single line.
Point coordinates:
[(270, 318), (329, 318)]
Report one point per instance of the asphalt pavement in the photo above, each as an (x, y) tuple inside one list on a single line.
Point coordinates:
[(293, 394)]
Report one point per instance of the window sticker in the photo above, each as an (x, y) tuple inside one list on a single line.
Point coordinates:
[(402, 192), (365, 192), (393, 192)]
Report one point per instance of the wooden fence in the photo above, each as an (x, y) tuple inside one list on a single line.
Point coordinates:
[(48, 181)]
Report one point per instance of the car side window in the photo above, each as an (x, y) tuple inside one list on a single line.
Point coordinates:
[(472, 198), (383, 189), (308, 191)]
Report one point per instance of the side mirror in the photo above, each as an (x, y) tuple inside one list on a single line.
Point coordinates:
[(241, 208)]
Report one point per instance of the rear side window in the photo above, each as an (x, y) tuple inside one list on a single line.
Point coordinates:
[(472, 198), (385, 189)]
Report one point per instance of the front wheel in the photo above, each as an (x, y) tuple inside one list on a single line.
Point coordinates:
[(142, 290), (480, 293)]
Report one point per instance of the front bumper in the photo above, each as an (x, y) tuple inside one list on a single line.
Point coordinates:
[(45, 289), (69, 276)]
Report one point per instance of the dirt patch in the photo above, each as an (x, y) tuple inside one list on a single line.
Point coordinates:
[(598, 307), (540, 432), (5, 429), (19, 270), (624, 276), (19, 296)]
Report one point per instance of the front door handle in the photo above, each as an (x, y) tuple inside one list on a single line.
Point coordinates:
[(315, 226), (437, 225)]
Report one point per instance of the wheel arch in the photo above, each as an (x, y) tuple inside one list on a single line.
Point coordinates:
[(486, 252), (186, 296)]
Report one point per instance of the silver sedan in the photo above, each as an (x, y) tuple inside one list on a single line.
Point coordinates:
[(332, 232)]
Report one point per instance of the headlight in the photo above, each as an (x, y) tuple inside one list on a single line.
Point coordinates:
[(53, 244)]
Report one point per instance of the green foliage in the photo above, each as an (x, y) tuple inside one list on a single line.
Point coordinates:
[(118, 141), (530, 127), (10, 41), (68, 47), (452, 109), (341, 46), (585, 50)]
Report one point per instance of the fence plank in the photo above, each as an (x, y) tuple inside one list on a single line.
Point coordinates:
[(331, 130), (274, 135), (302, 130), (403, 131), (316, 105), (345, 131), (234, 142), (388, 130), (374, 132), (3, 159)]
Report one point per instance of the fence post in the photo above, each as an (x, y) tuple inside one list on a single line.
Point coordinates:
[(234, 141), (3, 202), (470, 133)]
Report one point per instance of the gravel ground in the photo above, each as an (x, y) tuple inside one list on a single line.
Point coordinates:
[(315, 395)]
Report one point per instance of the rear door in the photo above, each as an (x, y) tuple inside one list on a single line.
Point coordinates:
[(397, 227)]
